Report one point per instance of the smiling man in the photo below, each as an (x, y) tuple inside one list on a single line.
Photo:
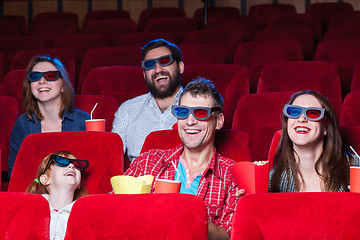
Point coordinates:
[(137, 117), (203, 172)]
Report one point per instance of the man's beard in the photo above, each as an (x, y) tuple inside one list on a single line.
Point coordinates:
[(174, 83)]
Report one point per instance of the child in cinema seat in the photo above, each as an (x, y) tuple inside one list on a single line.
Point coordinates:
[(58, 179)]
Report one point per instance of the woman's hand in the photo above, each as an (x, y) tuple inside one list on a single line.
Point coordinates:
[(239, 193)]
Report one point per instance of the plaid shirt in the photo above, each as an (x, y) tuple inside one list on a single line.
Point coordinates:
[(216, 188)]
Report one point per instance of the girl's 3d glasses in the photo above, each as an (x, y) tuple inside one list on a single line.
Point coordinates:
[(162, 61), (199, 113), (64, 162), (49, 76), (311, 113)]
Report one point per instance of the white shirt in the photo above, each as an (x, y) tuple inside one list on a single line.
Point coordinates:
[(58, 220), (138, 117)]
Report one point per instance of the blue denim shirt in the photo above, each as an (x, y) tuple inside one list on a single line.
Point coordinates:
[(24, 126)]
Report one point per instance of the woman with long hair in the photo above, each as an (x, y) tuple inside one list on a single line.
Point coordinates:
[(48, 101), (309, 156)]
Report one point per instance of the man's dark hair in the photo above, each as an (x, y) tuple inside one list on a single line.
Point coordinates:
[(175, 51), (203, 87)]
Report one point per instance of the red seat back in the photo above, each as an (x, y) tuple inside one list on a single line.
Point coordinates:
[(106, 108), (254, 55), (297, 216), (120, 82), (297, 76), (12, 84), (262, 12), (109, 56), (104, 150), (157, 12), (9, 111), (260, 116), (138, 216), (202, 54), (24, 216), (345, 53), (166, 24), (350, 110)]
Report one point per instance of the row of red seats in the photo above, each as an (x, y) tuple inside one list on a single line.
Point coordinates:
[(257, 216), (253, 55)]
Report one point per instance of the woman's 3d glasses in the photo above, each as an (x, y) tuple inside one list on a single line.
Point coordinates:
[(199, 113), (162, 61), (49, 76), (311, 113), (64, 162)]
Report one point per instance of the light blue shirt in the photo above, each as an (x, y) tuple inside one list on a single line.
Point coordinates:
[(138, 117), (190, 188)]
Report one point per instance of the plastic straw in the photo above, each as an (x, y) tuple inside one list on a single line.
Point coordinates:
[(93, 111), (176, 170), (355, 152)]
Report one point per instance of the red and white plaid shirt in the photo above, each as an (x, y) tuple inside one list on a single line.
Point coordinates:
[(216, 188)]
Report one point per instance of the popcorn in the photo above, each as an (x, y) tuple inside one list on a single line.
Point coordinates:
[(260, 163)]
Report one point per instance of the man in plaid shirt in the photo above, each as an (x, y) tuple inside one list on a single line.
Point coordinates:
[(203, 172)]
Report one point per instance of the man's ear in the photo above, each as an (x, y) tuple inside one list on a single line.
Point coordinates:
[(220, 121), (45, 180), (181, 67)]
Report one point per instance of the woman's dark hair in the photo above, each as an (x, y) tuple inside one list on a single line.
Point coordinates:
[(333, 164)]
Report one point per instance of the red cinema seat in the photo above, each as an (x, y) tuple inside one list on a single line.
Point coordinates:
[(350, 116), (351, 137), (49, 25), (254, 55), (12, 84), (66, 56), (260, 116), (244, 25), (24, 216), (218, 11), (19, 20), (202, 54), (303, 35), (345, 53), (233, 144), (120, 82), (316, 215), (297, 76), (106, 108), (345, 19), (262, 12), (273, 147), (139, 39), (355, 82), (111, 29), (1, 66), (325, 10), (157, 12), (10, 45), (9, 111), (342, 33), (228, 39), (79, 44), (166, 24), (138, 216), (108, 56), (230, 80), (104, 151), (297, 20), (105, 14), (9, 29)]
